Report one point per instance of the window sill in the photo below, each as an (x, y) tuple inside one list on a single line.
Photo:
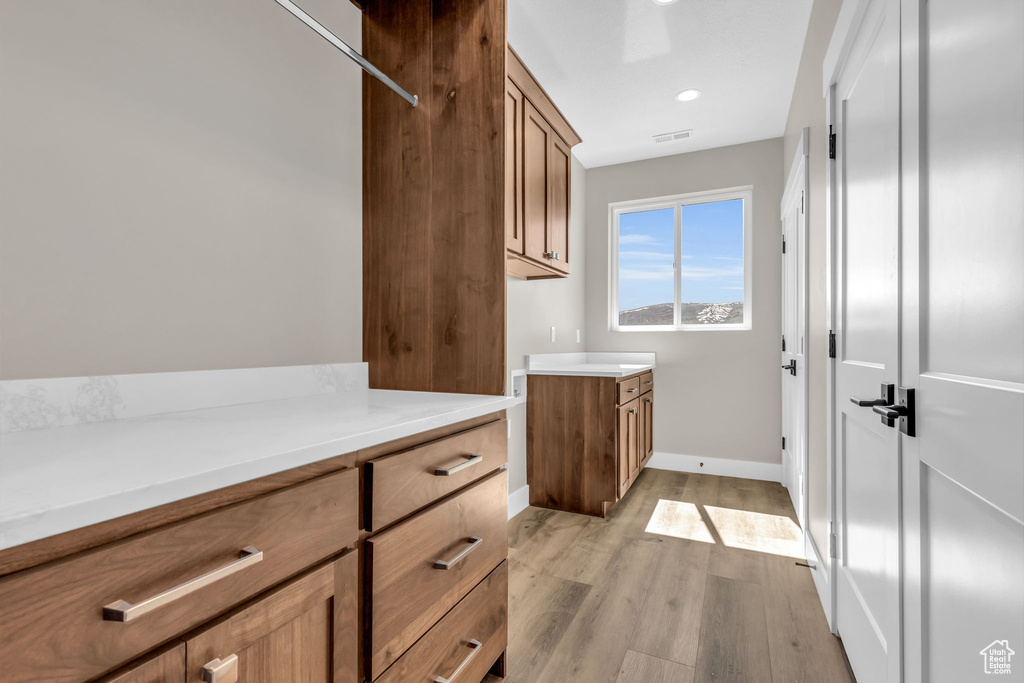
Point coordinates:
[(681, 328)]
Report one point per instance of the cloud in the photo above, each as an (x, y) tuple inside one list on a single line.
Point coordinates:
[(637, 239), (708, 272), (654, 273)]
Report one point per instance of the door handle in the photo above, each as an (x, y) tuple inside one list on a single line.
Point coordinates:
[(221, 670), (905, 412), (791, 367), (474, 648), (888, 397), (465, 464)]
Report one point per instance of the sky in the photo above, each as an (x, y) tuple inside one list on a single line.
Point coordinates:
[(712, 250)]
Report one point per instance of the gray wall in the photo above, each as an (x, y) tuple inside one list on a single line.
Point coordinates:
[(808, 110), (718, 392), (535, 306), (180, 187)]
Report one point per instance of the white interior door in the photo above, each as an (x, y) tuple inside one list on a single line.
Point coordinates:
[(963, 339), (867, 340), (794, 332)]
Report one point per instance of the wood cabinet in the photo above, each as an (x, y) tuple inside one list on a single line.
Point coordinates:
[(309, 590), (538, 167), (587, 439)]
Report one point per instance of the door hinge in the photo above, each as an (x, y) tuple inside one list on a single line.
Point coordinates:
[(801, 202), (831, 344), (783, 244), (831, 143), (783, 342), (783, 443), (831, 542)]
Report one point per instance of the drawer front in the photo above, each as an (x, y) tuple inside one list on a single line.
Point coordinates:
[(409, 590), (646, 382), (400, 484), (465, 643), (53, 626), (629, 389)]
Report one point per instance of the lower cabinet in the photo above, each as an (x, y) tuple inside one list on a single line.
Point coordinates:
[(282, 586), (587, 439), (304, 630)]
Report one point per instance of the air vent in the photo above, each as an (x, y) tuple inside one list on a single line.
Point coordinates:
[(678, 135)]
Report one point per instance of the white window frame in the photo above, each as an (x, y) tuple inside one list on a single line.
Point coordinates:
[(616, 209)]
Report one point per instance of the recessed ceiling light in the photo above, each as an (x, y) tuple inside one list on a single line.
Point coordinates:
[(687, 95), (663, 2)]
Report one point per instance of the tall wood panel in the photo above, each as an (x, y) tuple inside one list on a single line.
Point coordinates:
[(434, 196)]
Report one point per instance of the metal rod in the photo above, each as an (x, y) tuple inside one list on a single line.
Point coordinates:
[(352, 54)]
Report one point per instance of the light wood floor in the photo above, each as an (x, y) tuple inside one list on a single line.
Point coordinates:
[(598, 601)]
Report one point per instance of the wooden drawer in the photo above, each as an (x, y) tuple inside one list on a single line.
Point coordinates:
[(449, 647), (628, 389), (646, 382), (52, 625), (400, 484), (408, 589)]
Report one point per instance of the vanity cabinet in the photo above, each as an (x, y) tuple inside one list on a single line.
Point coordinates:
[(538, 169), (588, 439), (280, 578)]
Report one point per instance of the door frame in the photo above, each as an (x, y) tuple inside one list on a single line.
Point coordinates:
[(797, 185)]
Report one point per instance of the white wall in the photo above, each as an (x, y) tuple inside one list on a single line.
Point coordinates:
[(808, 109), (180, 187), (535, 306), (717, 392)]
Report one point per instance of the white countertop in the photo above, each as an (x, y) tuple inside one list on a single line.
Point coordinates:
[(590, 364), (64, 478)]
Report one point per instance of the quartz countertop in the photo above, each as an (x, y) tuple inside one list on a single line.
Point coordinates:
[(590, 364), (58, 479)]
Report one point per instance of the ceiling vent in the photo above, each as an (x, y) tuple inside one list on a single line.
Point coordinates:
[(678, 135)]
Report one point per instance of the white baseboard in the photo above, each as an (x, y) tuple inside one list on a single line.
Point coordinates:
[(745, 469), (518, 501)]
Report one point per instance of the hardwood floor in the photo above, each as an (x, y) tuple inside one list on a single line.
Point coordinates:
[(685, 581)]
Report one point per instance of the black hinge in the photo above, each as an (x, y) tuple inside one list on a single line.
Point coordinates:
[(783, 443), (831, 344), (783, 245), (831, 143), (801, 202), (783, 342)]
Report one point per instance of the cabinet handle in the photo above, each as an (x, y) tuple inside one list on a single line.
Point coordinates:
[(650, 381), (474, 646), (634, 410), (449, 471), (474, 542), (553, 255), (125, 611), (632, 391), (221, 670), (649, 400)]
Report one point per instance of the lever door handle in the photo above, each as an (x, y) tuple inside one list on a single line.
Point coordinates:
[(867, 404), (890, 412), (791, 367)]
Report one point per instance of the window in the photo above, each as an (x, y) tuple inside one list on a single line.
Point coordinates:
[(682, 263)]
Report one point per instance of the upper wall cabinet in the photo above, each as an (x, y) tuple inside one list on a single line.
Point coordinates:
[(538, 167)]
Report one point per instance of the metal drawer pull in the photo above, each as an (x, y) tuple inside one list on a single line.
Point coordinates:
[(474, 541), (650, 400), (125, 611), (475, 646), (449, 471), (221, 670), (553, 255), (650, 381), (633, 390)]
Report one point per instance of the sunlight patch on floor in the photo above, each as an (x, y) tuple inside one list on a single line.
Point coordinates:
[(757, 531), (679, 520)]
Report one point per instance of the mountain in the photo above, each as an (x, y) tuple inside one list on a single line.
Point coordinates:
[(692, 314)]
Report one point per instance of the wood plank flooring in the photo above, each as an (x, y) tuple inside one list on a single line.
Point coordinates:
[(686, 581)]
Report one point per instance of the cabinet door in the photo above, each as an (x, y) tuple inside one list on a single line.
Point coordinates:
[(304, 630), (168, 665), (513, 167), (628, 445), (560, 166), (646, 428), (536, 143)]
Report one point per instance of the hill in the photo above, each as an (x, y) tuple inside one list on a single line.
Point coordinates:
[(692, 314)]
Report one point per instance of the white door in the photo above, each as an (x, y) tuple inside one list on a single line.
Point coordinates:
[(794, 332), (867, 341), (963, 339)]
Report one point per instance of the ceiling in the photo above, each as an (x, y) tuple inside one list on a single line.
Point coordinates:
[(614, 67)]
